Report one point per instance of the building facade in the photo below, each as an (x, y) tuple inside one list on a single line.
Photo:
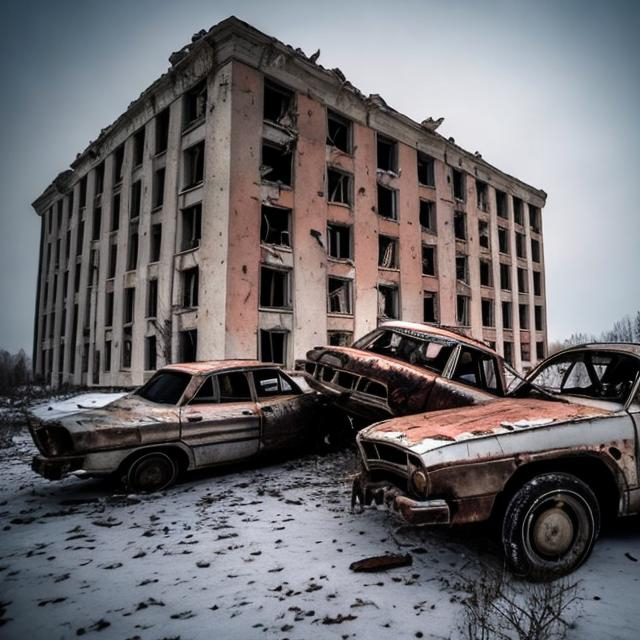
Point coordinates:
[(252, 203)]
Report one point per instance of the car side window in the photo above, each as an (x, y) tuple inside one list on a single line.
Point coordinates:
[(206, 393), (271, 382), (476, 369), (234, 387)]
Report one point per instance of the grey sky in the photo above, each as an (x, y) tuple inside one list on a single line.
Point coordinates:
[(547, 91)]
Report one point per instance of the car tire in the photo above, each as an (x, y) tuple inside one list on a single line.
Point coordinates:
[(550, 526), (151, 472)]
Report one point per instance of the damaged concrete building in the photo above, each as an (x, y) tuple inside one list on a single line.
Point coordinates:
[(251, 203)]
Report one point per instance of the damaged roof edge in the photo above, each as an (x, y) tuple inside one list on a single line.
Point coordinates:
[(181, 58)]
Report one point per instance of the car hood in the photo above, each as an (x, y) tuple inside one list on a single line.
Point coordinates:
[(426, 431)]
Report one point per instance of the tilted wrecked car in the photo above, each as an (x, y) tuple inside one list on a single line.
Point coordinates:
[(547, 462), (187, 416), (402, 368)]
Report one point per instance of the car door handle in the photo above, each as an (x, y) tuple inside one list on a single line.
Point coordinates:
[(247, 412), (194, 418)]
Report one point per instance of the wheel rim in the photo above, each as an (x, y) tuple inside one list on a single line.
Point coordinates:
[(154, 473)]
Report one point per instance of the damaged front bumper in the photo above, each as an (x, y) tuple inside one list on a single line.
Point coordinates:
[(58, 468), (418, 512)]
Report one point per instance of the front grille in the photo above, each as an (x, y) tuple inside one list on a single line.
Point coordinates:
[(380, 451)]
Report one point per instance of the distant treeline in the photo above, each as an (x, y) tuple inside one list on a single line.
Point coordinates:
[(15, 371)]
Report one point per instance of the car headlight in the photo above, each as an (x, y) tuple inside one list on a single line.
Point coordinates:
[(420, 482)]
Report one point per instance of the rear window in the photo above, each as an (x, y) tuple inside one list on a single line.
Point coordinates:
[(166, 387)]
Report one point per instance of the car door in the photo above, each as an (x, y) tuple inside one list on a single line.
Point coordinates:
[(221, 422), (288, 414), (634, 411)]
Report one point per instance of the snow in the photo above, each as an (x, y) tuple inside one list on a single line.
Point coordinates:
[(53, 409), (262, 551)]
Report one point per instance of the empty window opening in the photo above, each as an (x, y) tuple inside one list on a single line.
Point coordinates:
[(191, 227), (127, 347), (387, 252), (339, 186), (520, 245), (273, 346), (107, 356), (278, 104), (537, 311), (517, 210), (156, 242), (138, 147), (387, 301), (189, 345), (462, 269), (535, 250), (99, 183), (136, 199), (115, 212), (158, 188), (482, 195), (486, 279), (113, 259), (430, 307), (458, 184), (460, 225), (503, 240), (540, 350), (387, 154), (190, 278), (129, 305), (506, 315), (338, 132), (339, 241), (76, 280), (132, 258), (83, 195), (523, 281), (274, 288), (97, 223), (428, 260), (523, 311), (118, 165), (195, 104), (152, 299), (150, 353), (428, 216), (537, 283), (508, 351), (276, 163), (80, 238), (505, 277), (534, 219), (426, 173), (525, 351), (483, 234), (340, 338), (501, 204), (387, 202), (194, 165), (487, 312), (339, 295), (60, 205), (108, 309), (162, 130), (462, 310), (275, 226), (69, 205)]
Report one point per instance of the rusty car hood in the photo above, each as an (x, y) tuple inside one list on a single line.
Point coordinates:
[(426, 431)]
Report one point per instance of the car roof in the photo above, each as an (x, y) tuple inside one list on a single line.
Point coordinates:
[(206, 367), (441, 332), (631, 348)]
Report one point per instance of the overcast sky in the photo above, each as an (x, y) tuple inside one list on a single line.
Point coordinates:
[(548, 91)]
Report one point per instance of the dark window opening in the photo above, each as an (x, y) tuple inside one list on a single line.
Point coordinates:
[(523, 281), (338, 132), (275, 226), (540, 350), (501, 204), (517, 210), (458, 184), (537, 283), (274, 288), (430, 307), (387, 252), (273, 347), (113, 260), (486, 279), (520, 245), (477, 369), (426, 173), (115, 212), (503, 240), (525, 351), (508, 352), (76, 280), (118, 164), (194, 165), (505, 277), (189, 345), (83, 194), (538, 317), (276, 163), (462, 310), (195, 104), (506, 315), (132, 258), (340, 338), (460, 225), (387, 301), (535, 250), (162, 130), (85, 358), (158, 188), (150, 353), (523, 312), (190, 282), (487, 312), (278, 104), (482, 195), (427, 216), (387, 151), (97, 223), (152, 299), (156, 242), (191, 227), (99, 180), (339, 241), (387, 202), (483, 234), (339, 186), (428, 260), (339, 295), (107, 356), (108, 309), (534, 218), (136, 199), (60, 209), (138, 147), (70, 205), (129, 304), (462, 269)]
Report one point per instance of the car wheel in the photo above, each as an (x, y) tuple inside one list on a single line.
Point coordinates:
[(550, 526), (152, 472)]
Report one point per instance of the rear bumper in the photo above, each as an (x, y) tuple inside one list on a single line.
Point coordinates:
[(58, 468)]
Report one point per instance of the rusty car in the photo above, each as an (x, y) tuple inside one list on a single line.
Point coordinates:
[(402, 368), (544, 464), (187, 416)]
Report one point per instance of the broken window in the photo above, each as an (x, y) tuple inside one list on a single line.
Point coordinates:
[(486, 279), (426, 173), (150, 353), (115, 212), (274, 288), (162, 131), (540, 350), (97, 222), (460, 225), (535, 250), (501, 204), (340, 186), (482, 195), (195, 104), (537, 311), (503, 240), (517, 210), (118, 165), (340, 338), (430, 307), (129, 305), (132, 258), (158, 188), (136, 199), (188, 345), (462, 310), (387, 202), (138, 147), (278, 104), (107, 356), (113, 259), (537, 283), (523, 311), (339, 241), (152, 299), (428, 260), (506, 315), (190, 283), (462, 270), (156, 242), (458, 184), (523, 281), (387, 154), (505, 276), (483, 234), (83, 193), (387, 252), (387, 301), (191, 227), (339, 295), (428, 216), (338, 131), (273, 346), (99, 181), (194, 165), (276, 163), (534, 218), (275, 226), (520, 245), (487, 312)]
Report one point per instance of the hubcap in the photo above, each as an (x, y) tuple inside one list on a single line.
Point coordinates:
[(553, 532)]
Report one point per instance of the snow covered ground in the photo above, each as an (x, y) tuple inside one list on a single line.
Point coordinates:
[(261, 552)]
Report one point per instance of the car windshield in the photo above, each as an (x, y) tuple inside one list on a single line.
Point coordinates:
[(166, 387), (409, 346)]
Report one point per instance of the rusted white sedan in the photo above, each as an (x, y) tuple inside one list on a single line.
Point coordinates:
[(547, 462), (187, 416)]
